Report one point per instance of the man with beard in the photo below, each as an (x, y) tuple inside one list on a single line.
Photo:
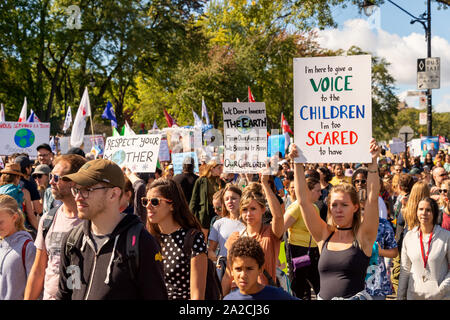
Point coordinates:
[(44, 274)]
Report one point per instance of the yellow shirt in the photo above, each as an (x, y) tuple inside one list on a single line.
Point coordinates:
[(337, 180), (298, 233)]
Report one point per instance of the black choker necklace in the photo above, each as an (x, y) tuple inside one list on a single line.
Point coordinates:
[(349, 228)]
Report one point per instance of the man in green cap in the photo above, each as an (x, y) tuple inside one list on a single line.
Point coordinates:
[(95, 256)]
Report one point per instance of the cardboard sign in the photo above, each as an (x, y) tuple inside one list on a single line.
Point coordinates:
[(178, 158), (139, 153), (333, 109), (245, 137), (23, 137)]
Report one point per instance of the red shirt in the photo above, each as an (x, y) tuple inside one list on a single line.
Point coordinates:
[(446, 221)]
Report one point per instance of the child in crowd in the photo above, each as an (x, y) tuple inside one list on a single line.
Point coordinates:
[(246, 258)]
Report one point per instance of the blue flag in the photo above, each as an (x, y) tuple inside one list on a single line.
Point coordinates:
[(109, 114)]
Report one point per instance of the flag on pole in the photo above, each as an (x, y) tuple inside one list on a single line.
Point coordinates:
[(250, 96), (23, 112), (197, 121), (284, 125), (155, 126), (204, 111), (126, 130), (169, 119), (115, 133), (2, 114), (68, 120), (109, 114), (84, 111), (33, 117), (52, 144)]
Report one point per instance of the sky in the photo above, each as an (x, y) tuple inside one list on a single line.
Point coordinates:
[(389, 34)]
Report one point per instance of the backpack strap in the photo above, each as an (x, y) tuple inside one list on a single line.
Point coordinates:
[(75, 235), (269, 278), (24, 251), (132, 248), (48, 220)]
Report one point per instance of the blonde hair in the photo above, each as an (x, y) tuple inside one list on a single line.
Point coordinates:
[(8, 203), (351, 191), (419, 191), (206, 172), (255, 192)]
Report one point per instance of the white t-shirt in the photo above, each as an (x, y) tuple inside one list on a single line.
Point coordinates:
[(382, 209), (221, 230), (52, 245)]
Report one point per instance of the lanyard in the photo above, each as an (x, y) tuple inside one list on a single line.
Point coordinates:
[(425, 257)]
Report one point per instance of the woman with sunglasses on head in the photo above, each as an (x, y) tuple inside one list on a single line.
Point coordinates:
[(252, 207), (224, 227), (346, 241), (170, 221), (425, 257)]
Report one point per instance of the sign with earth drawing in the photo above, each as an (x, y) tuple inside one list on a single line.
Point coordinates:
[(138, 152), (245, 137), (23, 137)]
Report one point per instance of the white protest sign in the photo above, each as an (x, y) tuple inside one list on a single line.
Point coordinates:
[(245, 132), (23, 137), (333, 109), (139, 153)]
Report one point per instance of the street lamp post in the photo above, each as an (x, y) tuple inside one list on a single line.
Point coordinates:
[(425, 20)]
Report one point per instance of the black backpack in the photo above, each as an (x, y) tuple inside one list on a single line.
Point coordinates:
[(48, 220), (213, 289), (132, 245)]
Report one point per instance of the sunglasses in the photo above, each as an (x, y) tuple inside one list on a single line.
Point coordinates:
[(153, 201), (362, 181), (85, 192), (443, 190), (38, 175), (54, 177)]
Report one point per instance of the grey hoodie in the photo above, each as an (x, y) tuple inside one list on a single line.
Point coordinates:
[(13, 277)]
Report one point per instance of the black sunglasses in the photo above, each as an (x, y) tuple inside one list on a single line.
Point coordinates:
[(443, 190), (53, 177), (153, 201)]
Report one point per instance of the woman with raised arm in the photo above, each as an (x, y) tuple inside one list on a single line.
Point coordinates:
[(345, 241)]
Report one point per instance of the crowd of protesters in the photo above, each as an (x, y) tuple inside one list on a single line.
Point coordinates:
[(76, 228)]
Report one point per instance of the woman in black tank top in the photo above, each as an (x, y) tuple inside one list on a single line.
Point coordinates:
[(346, 241)]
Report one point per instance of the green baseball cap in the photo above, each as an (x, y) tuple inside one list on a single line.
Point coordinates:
[(96, 171)]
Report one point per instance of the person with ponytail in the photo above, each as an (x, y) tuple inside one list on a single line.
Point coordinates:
[(346, 240), (252, 208), (17, 250)]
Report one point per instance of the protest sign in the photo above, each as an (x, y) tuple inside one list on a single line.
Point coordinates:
[(428, 143), (245, 132), (139, 152), (333, 109), (397, 147), (89, 141), (23, 137), (178, 158), (164, 154), (276, 144)]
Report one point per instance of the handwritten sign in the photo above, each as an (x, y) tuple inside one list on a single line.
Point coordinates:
[(333, 109), (245, 131), (139, 153), (23, 137)]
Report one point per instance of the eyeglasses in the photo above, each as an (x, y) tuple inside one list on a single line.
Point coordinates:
[(153, 201), (362, 181), (443, 174), (54, 177), (85, 192), (443, 190), (38, 175), (43, 155)]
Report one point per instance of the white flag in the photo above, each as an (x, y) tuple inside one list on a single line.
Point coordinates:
[(84, 111), (204, 111), (197, 121), (68, 120), (2, 114), (23, 113), (127, 130)]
